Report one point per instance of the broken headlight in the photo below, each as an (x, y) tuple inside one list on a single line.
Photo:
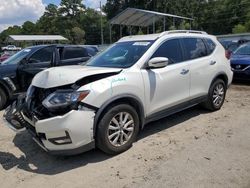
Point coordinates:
[(64, 98)]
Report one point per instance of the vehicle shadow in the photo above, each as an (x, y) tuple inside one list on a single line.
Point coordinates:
[(170, 121), (35, 160)]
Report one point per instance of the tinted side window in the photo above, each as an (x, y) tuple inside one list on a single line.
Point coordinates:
[(195, 48), (170, 49), (71, 53), (43, 55), (210, 46)]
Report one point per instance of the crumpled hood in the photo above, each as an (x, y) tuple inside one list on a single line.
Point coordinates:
[(60, 76)]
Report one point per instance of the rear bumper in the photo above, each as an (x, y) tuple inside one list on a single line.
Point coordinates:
[(69, 134)]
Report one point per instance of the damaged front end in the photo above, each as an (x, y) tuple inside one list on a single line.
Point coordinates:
[(13, 115), (57, 118)]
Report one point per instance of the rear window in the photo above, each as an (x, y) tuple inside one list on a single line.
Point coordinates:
[(194, 47), (210, 46), (72, 53)]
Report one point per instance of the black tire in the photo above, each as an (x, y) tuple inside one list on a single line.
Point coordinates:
[(103, 131), (3, 99), (209, 104)]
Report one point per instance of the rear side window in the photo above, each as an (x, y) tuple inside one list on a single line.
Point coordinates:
[(210, 46), (170, 49), (194, 47), (71, 53)]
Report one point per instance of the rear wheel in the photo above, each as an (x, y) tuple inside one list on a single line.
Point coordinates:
[(117, 129), (3, 99), (216, 95)]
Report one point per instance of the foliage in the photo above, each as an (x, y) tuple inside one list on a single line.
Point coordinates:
[(239, 29), (77, 35)]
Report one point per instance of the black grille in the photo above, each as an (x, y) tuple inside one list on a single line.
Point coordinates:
[(239, 66)]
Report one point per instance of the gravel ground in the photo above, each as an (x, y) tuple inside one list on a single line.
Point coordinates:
[(193, 148)]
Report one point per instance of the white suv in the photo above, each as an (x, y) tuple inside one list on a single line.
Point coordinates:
[(106, 102)]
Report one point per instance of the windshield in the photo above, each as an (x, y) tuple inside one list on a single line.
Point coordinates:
[(121, 54), (17, 57), (243, 50)]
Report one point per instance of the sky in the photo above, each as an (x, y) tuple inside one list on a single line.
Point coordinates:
[(15, 12)]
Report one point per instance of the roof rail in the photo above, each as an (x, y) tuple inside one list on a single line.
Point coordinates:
[(183, 31)]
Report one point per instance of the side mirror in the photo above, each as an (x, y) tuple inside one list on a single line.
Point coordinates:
[(158, 62)]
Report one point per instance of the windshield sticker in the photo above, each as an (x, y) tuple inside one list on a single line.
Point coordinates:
[(27, 50), (141, 43)]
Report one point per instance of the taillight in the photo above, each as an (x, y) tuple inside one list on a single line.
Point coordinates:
[(228, 54)]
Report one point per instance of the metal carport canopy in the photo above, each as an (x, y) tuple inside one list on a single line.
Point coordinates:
[(141, 18), (16, 38)]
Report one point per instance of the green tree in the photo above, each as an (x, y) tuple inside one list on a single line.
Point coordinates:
[(78, 35), (239, 29), (28, 27), (47, 23), (71, 8)]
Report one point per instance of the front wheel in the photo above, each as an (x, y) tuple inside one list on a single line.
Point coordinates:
[(216, 95), (117, 129)]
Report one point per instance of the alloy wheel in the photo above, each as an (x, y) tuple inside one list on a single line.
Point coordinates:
[(120, 129), (218, 94)]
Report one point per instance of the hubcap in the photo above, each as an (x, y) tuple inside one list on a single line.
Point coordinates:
[(218, 95), (121, 128)]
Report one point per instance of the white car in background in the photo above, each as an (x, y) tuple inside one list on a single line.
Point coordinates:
[(11, 47), (137, 80)]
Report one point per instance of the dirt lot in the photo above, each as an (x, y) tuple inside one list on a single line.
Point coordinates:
[(193, 148)]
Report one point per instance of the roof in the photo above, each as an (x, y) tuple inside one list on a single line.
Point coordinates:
[(234, 35), (231, 37), (139, 17), (152, 37), (13, 38)]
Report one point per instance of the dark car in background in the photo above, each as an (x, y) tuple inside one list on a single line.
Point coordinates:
[(231, 45), (240, 62), (17, 72)]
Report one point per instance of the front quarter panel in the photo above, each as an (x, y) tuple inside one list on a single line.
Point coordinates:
[(128, 82)]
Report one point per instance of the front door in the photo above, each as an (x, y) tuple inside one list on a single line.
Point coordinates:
[(169, 86), (39, 61)]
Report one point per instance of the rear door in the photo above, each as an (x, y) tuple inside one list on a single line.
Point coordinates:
[(199, 54), (38, 61), (73, 56)]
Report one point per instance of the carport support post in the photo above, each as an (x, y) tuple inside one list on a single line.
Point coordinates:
[(153, 24), (110, 33), (164, 24), (120, 31)]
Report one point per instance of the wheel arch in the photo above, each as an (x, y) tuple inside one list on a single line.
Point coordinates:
[(5, 88), (122, 99), (221, 75)]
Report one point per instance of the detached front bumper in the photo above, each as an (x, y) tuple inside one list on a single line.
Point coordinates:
[(69, 134)]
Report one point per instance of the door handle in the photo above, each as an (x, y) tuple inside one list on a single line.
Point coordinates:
[(184, 71), (212, 62)]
